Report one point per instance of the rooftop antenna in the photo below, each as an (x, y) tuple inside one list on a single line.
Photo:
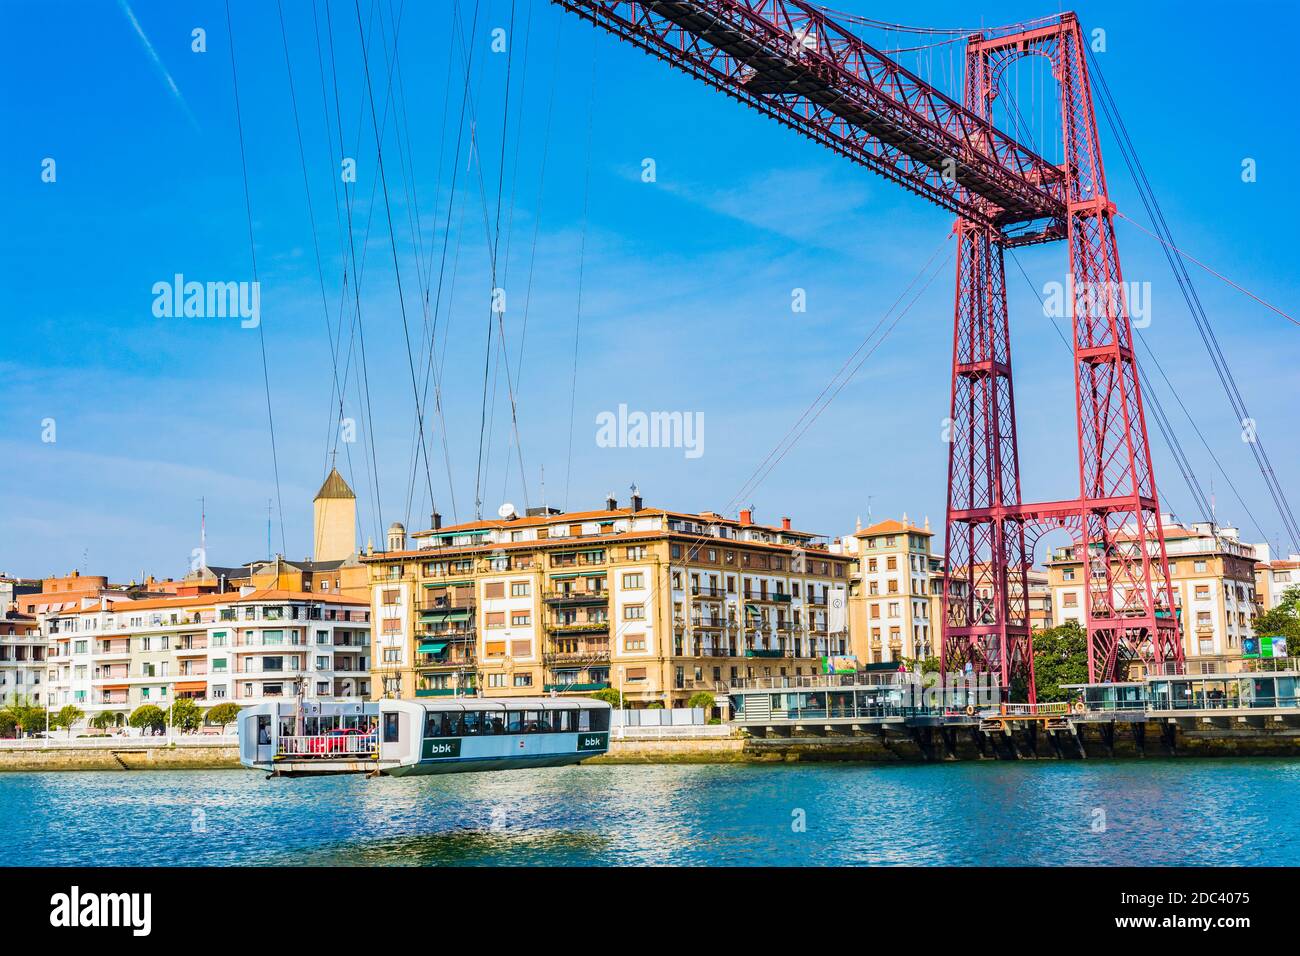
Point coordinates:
[(1214, 509), (544, 489), (268, 529), (203, 530)]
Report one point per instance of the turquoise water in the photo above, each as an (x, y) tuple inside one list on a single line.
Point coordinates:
[(1096, 813)]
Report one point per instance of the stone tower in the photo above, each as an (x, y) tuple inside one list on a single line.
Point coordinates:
[(335, 524)]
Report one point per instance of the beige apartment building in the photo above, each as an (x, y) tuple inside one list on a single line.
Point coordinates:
[(896, 600), (1213, 577), (656, 604)]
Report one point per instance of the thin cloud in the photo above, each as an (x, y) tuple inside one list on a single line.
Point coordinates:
[(157, 61)]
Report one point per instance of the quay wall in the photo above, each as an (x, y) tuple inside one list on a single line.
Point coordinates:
[(1094, 740), (125, 757)]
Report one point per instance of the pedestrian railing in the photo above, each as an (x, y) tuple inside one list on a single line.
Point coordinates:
[(327, 745)]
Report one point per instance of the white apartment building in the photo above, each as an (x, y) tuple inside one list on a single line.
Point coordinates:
[(1273, 577), (22, 660), (249, 647)]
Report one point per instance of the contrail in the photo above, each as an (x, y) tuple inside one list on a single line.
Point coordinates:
[(153, 54)]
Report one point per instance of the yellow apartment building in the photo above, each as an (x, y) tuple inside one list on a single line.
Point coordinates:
[(656, 604), (896, 601)]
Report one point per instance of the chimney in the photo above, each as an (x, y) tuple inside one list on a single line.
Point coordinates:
[(435, 520), (746, 517), (611, 503), (785, 524), (636, 502)]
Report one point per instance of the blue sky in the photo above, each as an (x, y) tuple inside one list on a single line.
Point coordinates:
[(686, 282)]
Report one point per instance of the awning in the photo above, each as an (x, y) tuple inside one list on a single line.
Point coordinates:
[(447, 584), (564, 577), (432, 647), (116, 687), (447, 614), (189, 685)]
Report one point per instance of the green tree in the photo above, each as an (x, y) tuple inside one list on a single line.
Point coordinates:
[(185, 715), (609, 695), (8, 723), (1283, 620), (223, 715), (104, 720), (1060, 657), (929, 665), (67, 717), (147, 715), (26, 716), (702, 699)]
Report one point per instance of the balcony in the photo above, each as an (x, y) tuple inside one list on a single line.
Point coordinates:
[(447, 610), (707, 591), (445, 601), (577, 627), (576, 597), (447, 634), (577, 652), (586, 559), (439, 654), (708, 622)]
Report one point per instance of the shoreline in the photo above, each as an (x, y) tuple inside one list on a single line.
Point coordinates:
[(1091, 743)]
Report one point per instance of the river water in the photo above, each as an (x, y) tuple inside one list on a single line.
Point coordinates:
[(1150, 812)]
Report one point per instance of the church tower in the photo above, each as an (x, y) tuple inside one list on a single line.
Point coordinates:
[(335, 514)]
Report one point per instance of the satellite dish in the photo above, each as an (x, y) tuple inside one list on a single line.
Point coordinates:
[(507, 510)]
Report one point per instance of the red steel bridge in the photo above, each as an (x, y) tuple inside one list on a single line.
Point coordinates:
[(792, 61)]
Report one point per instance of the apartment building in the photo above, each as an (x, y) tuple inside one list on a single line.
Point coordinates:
[(654, 603), (22, 659), (1274, 576), (896, 600), (244, 647), (1040, 599), (1213, 576)]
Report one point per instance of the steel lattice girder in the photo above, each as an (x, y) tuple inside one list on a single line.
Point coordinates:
[(791, 61)]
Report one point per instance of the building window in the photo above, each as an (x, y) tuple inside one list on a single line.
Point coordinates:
[(519, 589), (634, 612), (523, 680), (495, 619), (634, 581)]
